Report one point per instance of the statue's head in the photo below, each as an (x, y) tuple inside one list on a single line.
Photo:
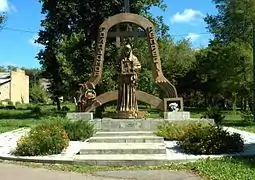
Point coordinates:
[(127, 49)]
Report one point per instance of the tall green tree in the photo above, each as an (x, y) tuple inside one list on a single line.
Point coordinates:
[(69, 33), (224, 68)]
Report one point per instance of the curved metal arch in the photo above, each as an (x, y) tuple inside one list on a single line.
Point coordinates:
[(140, 95), (126, 17)]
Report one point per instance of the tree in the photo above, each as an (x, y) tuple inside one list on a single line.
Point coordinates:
[(69, 32), (2, 19), (37, 94), (223, 70)]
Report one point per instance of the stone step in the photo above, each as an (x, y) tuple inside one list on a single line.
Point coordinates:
[(121, 160), (124, 133), (123, 148), (127, 139)]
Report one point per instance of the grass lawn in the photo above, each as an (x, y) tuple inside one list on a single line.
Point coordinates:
[(23, 117)]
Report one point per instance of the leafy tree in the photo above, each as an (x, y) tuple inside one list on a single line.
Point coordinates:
[(69, 32), (223, 70), (37, 94), (2, 19)]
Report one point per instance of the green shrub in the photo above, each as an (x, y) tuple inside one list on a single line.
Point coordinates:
[(36, 110), (247, 116), (10, 107), (45, 139), (214, 113), (176, 131), (79, 130), (211, 140), (65, 108)]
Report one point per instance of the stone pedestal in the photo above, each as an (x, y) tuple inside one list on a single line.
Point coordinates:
[(183, 115), (76, 116)]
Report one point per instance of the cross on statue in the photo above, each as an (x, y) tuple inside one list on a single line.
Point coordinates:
[(118, 34)]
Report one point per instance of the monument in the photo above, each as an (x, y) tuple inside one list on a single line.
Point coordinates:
[(128, 69), (127, 96)]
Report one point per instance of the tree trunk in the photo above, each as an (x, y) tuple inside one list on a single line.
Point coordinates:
[(234, 102), (58, 104), (205, 100), (242, 103)]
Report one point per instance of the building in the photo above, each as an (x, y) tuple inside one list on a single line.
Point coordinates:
[(14, 86)]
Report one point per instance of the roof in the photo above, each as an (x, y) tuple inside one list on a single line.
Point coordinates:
[(4, 78)]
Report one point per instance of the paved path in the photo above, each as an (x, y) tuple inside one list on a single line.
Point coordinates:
[(14, 172)]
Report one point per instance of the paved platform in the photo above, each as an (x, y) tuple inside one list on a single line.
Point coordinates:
[(14, 172)]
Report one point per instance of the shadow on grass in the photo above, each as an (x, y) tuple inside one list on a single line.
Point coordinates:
[(24, 115), (238, 123), (248, 160), (18, 116)]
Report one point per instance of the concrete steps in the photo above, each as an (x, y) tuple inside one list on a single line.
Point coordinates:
[(126, 139), (125, 148), (124, 133), (122, 160)]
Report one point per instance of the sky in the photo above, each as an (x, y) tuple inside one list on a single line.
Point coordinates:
[(17, 47)]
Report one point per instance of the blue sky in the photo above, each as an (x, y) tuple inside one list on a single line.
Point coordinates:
[(17, 47)]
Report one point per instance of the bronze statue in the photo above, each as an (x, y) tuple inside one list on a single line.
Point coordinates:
[(128, 69)]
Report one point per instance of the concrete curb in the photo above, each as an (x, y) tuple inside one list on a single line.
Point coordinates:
[(73, 161), (51, 160)]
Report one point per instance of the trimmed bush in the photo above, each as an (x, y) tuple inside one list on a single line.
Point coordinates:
[(215, 114), (177, 131), (45, 139), (211, 140), (79, 130), (65, 108)]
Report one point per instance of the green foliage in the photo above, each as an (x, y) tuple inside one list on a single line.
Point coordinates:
[(37, 94), (45, 139), (65, 108), (247, 116), (211, 140), (10, 107), (215, 114), (177, 131), (79, 130), (2, 19), (36, 110), (69, 32), (227, 168)]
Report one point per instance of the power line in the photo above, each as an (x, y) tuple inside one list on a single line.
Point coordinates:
[(33, 32), (18, 30)]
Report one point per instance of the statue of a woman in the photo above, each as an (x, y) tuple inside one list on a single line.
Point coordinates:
[(129, 67)]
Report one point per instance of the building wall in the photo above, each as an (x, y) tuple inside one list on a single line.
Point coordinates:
[(5, 91), (19, 87)]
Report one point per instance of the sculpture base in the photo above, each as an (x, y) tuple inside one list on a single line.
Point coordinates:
[(125, 115), (182, 115), (76, 116)]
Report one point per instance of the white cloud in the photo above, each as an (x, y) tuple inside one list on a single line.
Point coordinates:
[(5, 6), (32, 41), (187, 16), (193, 37)]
